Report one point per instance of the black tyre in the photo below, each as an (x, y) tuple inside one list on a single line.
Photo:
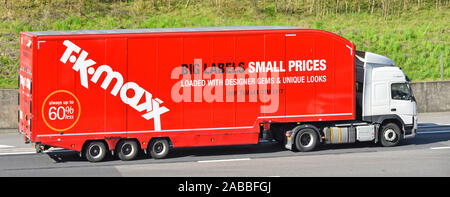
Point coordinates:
[(127, 150), (95, 151), (159, 148), (390, 135), (306, 140)]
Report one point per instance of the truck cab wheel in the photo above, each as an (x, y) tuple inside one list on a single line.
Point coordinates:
[(127, 149), (159, 148), (306, 140), (95, 151), (390, 135)]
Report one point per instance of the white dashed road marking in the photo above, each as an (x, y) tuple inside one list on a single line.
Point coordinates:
[(439, 148), (223, 160)]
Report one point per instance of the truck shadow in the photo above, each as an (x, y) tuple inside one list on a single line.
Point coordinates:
[(428, 133), (72, 156), (264, 148)]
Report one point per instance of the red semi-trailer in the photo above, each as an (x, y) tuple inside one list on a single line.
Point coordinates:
[(128, 90)]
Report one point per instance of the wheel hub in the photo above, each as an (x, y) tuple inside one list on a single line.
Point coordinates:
[(306, 140), (127, 149), (95, 151), (390, 135), (159, 147)]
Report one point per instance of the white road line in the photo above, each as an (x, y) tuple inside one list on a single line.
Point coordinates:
[(34, 152), (438, 148), (18, 153), (6, 146), (436, 125), (431, 132), (223, 160)]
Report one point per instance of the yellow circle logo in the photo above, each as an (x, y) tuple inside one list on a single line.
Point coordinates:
[(61, 110)]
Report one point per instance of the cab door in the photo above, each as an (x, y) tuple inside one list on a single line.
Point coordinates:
[(401, 102)]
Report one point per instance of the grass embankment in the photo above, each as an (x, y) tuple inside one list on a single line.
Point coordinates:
[(412, 33)]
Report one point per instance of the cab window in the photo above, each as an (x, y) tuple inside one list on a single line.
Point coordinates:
[(400, 91)]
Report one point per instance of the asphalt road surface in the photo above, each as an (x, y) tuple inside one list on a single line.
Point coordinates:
[(428, 154)]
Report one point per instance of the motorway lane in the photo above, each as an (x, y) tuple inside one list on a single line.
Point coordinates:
[(426, 155)]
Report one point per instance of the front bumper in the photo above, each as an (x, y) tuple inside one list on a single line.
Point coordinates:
[(411, 131)]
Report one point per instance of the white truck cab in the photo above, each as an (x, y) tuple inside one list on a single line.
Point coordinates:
[(386, 110), (387, 99)]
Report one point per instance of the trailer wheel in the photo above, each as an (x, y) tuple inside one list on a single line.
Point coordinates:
[(390, 135), (159, 148), (306, 140), (95, 151), (127, 150)]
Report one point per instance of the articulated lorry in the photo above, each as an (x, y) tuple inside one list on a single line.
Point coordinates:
[(129, 90)]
